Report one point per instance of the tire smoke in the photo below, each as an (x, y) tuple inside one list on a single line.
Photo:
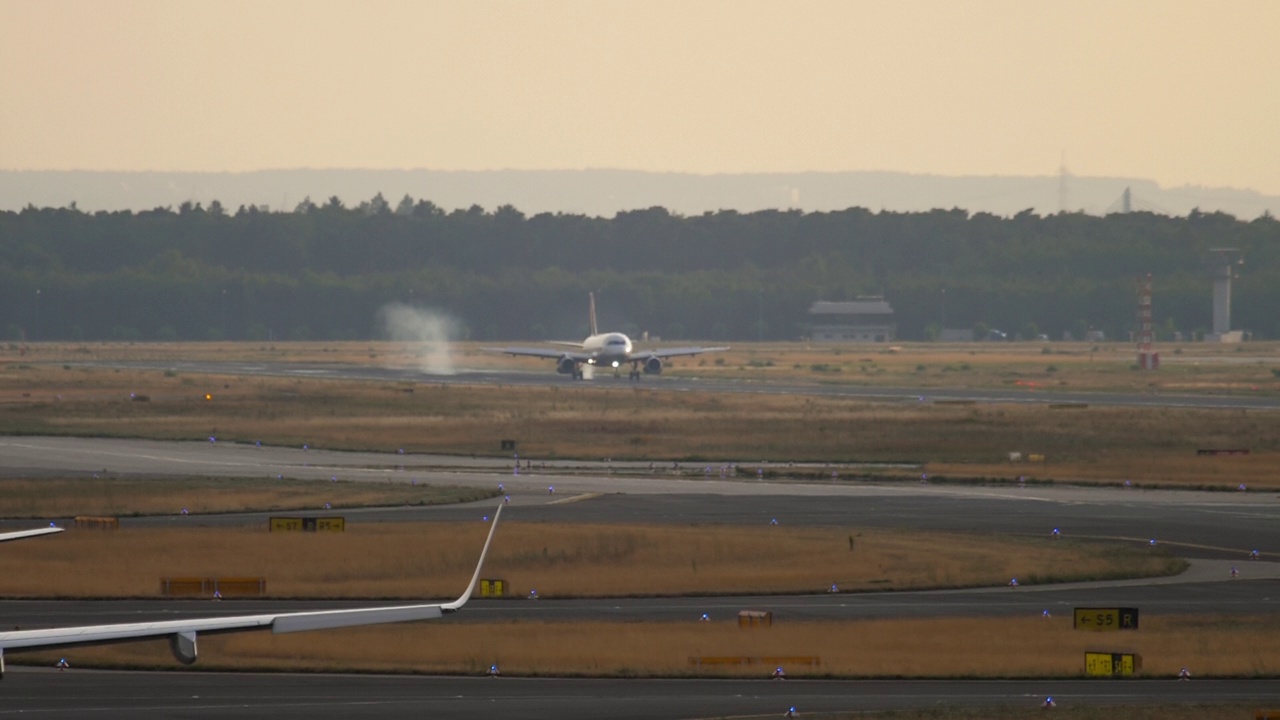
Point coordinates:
[(430, 332)]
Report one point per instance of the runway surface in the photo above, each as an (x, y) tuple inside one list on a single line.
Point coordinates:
[(546, 376), (46, 693)]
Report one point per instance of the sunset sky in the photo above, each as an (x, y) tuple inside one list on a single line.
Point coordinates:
[(1179, 91)]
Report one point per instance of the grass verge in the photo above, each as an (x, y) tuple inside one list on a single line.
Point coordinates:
[(1224, 646), (409, 560)]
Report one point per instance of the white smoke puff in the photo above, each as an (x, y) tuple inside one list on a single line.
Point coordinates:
[(429, 331)]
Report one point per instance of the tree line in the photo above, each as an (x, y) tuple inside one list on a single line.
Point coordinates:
[(324, 270)]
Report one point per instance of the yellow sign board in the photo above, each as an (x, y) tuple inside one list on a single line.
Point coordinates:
[(1106, 619), (216, 586), (104, 523), (493, 588), (1105, 664), (331, 524), (754, 618), (308, 524), (773, 660)]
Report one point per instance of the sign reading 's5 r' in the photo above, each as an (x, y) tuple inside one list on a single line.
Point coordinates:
[(1106, 619)]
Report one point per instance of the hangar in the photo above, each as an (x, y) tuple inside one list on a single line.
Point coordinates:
[(867, 319)]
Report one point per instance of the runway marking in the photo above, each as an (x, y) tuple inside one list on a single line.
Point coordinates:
[(211, 462), (1173, 543), (576, 498)]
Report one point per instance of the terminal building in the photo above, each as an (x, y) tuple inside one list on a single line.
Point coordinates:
[(867, 319)]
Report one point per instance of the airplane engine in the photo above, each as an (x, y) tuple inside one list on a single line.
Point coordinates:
[(653, 366), (566, 366), (183, 647)]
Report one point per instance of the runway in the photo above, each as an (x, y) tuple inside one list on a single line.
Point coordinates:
[(47, 693), (546, 376)]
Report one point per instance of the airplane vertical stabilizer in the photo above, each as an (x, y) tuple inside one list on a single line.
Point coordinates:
[(592, 297)]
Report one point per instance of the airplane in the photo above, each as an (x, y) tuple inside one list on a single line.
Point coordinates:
[(182, 633), (612, 350), (20, 534)]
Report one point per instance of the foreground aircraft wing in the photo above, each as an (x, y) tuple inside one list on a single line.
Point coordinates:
[(675, 352), (545, 353), (20, 534), (182, 633)]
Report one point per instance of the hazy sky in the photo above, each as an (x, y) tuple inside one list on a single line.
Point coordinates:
[(1179, 91)]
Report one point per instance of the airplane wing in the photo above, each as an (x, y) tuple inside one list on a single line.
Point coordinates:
[(674, 352), (544, 353), (20, 534), (182, 633)]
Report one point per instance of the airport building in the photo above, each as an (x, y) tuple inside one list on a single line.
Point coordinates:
[(867, 319)]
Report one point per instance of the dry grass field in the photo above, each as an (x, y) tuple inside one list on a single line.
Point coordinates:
[(408, 560), (1094, 444), (971, 647), (127, 496)]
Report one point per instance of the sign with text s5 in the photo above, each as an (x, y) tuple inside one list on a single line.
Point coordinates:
[(1106, 619)]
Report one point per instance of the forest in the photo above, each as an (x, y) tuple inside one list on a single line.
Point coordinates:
[(325, 271)]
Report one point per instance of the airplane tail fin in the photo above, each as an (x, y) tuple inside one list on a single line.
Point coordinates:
[(592, 297)]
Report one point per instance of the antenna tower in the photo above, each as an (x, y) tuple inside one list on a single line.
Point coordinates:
[(1063, 174), (1148, 359)]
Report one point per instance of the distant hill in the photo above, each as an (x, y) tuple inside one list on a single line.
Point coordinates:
[(605, 192)]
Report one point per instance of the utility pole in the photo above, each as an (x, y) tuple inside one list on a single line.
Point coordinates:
[(944, 311), (760, 316), (1063, 174), (1148, 359)]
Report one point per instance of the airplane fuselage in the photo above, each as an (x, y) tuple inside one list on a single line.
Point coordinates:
[(608, 349)]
